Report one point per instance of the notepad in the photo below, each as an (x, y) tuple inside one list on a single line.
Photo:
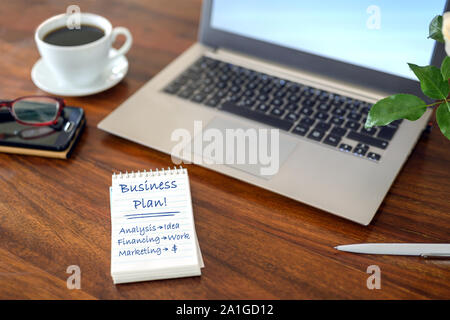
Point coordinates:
[(152, 227)]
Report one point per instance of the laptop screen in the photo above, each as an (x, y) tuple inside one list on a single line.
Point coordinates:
[(382, 35)]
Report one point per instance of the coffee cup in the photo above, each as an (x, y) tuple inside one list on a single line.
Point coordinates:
[(79, 62)]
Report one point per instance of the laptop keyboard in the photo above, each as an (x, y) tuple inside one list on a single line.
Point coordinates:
[(331, 119)]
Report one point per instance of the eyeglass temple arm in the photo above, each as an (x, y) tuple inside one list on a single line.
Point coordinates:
[(4, 103)]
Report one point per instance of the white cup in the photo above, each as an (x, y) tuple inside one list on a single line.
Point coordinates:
[(80, 65)]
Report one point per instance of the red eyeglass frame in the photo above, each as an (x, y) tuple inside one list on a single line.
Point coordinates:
[(9, 104)]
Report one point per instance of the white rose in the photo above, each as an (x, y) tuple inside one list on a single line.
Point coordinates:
[(446, 31)]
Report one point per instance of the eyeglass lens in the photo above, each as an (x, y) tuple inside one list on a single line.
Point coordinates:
[(36, 109)]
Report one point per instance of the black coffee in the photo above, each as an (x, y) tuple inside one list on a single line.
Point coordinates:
[(76, 37)]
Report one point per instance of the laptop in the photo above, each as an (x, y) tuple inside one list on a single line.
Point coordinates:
[(306, 74)]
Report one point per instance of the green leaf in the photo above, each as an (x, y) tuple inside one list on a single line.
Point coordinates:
[(435, 29), (445, 68), (443, 120), (446, 103), (397, 106), (431, 81)]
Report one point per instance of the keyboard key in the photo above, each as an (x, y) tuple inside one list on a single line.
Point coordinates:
[(337, 120), (371, 141), (356, 103), (234, 98), (213, 102), (324, 107), (293, 87), (316, 135), (292, 116), (324, 96), (265, 78), (192, 75), (352, 107), (294, 98), (236, 89), (245, 72), (306, 111), (263, 107), (208, 90), (338, 100), (332, 140), (317, 92), (277, 112), (180, 81), (279, 83), (339, 112), (363, 146), (300, 129), (322, 126), (309, 102), (252, 85), (279, 94), (395, 123), (345, 147), (386, 133), (365, 110), (307, 121), (321, 115), (207, 81), (276, 102), (337, 131), (369, 131), (373, 156), (257, 116), (352, 125), (353, 116), (308, 92), (249, 102), (198, 97), (262, 97), (266, 89), (221, 93), (213, 74), (291, 107), (359, 151), (172, 89), (193, 86), (238, 81), (185, 94)]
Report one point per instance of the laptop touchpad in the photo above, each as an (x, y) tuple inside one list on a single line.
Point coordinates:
[(256, 150)]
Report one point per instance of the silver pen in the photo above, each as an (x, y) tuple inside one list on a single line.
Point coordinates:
[(425, 250)]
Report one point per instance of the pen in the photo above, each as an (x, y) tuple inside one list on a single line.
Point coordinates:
[(425, 250)]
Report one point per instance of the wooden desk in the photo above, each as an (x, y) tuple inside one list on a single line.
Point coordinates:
[(256, 244)]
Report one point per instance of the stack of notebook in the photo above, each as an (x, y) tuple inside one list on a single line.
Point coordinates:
[(152, 227)]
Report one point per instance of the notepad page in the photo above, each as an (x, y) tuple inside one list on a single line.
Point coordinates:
[(199, 253), (152, 225)]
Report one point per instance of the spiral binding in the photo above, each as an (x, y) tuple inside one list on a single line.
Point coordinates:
[(151, 173)]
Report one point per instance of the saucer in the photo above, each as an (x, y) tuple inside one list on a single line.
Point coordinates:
[(112, 75)]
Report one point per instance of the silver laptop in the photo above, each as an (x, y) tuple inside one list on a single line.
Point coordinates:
[(305, 73)]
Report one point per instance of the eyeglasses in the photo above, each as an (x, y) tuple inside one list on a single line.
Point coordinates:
[(35, 110)]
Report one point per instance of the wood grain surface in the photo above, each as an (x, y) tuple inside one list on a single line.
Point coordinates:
[(256, 244)]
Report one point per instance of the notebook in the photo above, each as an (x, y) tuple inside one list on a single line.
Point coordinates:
[(152, 227)]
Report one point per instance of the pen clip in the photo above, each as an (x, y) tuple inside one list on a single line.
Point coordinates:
[(435, 255)]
